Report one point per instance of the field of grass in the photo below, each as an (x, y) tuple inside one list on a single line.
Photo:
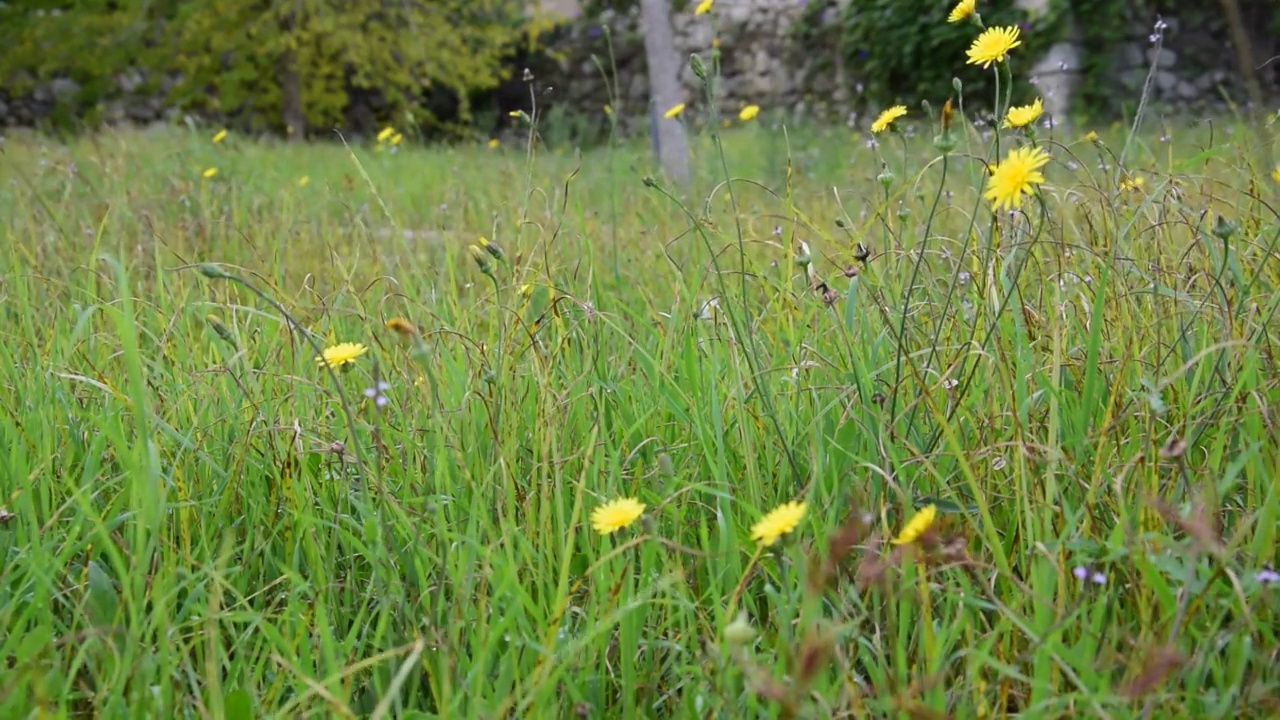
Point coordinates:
[(200, 520)]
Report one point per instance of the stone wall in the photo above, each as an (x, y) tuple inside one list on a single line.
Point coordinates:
[(761, 63)]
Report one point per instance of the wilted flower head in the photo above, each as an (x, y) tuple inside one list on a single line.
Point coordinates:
[(402, 326)]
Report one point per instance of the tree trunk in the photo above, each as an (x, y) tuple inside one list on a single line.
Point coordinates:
[(292, 111), (664, 88)]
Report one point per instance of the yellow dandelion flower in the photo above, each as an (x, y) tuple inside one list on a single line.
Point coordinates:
[(209, 172), (1132, 183), (1024, 115), (1275, 174), (396, 139), (780, 521), (608, 110), (1091, 136), (1016, 176), (516, 113), (917, 525), (493, 143), (963, 10), (304, 181), (704, 7), (993, 45), (674, 111), (341, 354), (887, 117), (616, 515), (220, 136), (749, 113), (386, 133)]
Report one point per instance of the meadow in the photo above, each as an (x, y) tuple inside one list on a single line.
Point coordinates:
[(1023, 462)]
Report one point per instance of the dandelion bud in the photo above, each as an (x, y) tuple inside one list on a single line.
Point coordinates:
[(699, 68), (223, 332), (927, 107), (482, 259), (957, 85), (803, 257), (885, 178), (528, 75), (945, 142), (649, 182), (1224, 228), (491, 248), (211, 271), (739, 632), (861, 253), (665, 466)]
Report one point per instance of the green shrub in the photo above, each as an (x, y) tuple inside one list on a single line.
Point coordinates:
[(235, 55), (905, 52)]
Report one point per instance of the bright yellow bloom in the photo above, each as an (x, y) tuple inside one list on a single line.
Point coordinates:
[(493, 143), (780, 521), (341, 354), (749, 112), (1024, 115), (917, 525), (1091, 136), (395, 139), (220, 136), (387, 132), (1016, 176), (304, 180), (1132, 183), (993, 45), (887, 117), (704, 7), (963, 11), (615, 515), (674, 111), (209, 172), (1275, 174)]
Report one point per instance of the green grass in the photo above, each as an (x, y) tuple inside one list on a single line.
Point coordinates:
[(199, 524)]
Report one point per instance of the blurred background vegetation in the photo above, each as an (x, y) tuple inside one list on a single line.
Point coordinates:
[(445, 69)]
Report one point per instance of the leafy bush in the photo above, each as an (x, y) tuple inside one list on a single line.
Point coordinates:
[(250, 60)]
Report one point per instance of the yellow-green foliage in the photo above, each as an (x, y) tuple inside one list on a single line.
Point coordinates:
[(231, 54)]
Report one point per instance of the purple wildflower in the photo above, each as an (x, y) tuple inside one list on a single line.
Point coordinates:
[(376, 394), (1267, 576)]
